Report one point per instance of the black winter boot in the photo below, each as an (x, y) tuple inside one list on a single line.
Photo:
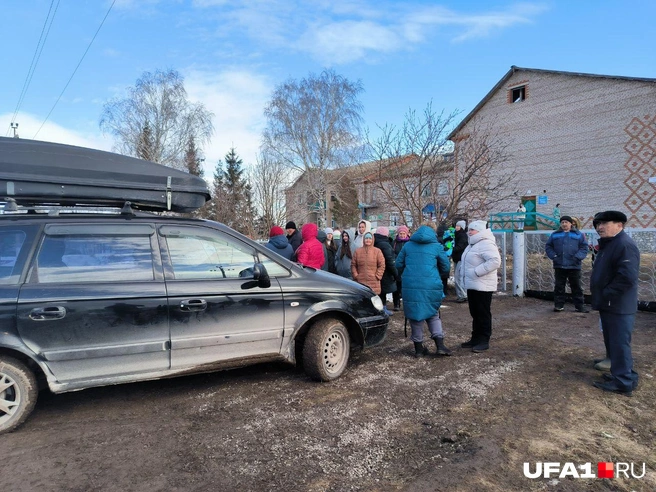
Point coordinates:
[(420, 350), (441, 348)]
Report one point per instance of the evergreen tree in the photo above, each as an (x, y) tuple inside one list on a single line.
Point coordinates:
[(231, 196), (238, 195), (192, 159)]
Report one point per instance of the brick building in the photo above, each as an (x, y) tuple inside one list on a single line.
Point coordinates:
[(390, 192), (585, 141)]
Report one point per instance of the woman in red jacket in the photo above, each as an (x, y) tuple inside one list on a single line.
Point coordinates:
[(310, 253), (368, 264)]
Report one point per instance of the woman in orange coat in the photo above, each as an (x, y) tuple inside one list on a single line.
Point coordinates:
[(368, 264)]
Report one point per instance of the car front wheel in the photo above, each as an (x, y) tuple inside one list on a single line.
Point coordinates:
[(18, 393), (326, 350)]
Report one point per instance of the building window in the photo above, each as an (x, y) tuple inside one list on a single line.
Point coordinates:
[(443, 188), (408, 218), (518, 94), (394, 219), (426, 191)]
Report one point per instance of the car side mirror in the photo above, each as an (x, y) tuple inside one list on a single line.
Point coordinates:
[(261, 275)]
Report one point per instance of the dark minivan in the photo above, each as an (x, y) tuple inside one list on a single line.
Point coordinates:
[(98, 297)]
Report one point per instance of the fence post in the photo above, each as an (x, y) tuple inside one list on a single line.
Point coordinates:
[(504, 267), (518, 263)]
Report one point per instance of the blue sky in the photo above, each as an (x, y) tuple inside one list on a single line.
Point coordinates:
[(234, 53)]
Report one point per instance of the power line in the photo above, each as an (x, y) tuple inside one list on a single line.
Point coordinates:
[(35, 60), (74, 71)]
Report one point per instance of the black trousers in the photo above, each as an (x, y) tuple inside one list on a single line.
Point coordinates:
[(396, 295), (564, 275), (480, 304)]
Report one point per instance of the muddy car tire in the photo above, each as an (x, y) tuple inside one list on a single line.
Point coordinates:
[(326, 350), (18, 393)]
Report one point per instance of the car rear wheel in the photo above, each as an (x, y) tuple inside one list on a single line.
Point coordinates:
[(326, 350), (18, 393)]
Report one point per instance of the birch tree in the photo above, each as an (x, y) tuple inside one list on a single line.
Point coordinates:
[(156, 119)]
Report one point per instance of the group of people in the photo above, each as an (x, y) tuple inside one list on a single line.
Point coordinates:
[(415, 268), (613, 285)]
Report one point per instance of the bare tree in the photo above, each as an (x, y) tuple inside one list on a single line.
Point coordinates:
[(416, 173), (268, 179), (481, 181), (313, 126), (156, 120), (409, 166)]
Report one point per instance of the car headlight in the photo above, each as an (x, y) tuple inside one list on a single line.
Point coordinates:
[(378, 304)]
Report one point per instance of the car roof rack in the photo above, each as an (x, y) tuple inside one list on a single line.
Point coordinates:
[(12, 207)]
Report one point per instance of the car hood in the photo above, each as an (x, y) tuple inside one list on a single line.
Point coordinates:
[(334, 283)]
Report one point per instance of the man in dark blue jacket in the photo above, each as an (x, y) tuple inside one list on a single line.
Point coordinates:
[(614, 286), (567, 247)]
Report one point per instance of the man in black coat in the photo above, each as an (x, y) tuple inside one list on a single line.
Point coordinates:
[(293, 235), (388, 282), (614, 287)]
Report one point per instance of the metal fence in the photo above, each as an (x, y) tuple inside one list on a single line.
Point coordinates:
[(539, 273)]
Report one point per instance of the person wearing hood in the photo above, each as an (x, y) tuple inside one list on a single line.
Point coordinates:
[(322, 237), (388, 282), (310, 252), (293, 235), (459, 244), (364, 226), (480, 262), (344, 256), (402, 237), (368, 264), (278, 243), (422, 262)]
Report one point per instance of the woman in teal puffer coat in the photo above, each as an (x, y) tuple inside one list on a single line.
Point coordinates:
[(422, 261)]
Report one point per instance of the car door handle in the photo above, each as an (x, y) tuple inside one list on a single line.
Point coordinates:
[(47, 313), (193, 305)]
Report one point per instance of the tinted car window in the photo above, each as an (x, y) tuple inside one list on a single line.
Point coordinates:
[(209, 257), (12, 242), (95, 259)]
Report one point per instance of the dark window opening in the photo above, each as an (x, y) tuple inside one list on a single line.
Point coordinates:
[(518, 94)]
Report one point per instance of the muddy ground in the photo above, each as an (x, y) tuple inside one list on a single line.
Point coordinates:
[(466, 422)]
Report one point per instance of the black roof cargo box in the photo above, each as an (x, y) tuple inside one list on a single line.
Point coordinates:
[(34, 172)]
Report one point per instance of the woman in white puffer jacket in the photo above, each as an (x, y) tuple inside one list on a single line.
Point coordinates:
[(480, 262)]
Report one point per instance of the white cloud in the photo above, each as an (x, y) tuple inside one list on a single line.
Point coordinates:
[(52, 132), (474, 25), (237, 98), (111, 53), (338, 32), (349, 41)]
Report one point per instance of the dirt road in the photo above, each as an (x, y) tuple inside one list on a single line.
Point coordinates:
[(392, 422)]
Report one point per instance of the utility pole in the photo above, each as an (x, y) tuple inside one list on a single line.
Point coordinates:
[(14, 126)]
